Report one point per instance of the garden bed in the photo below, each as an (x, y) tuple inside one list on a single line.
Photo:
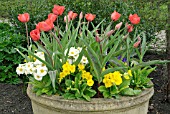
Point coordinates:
[(14, 101)]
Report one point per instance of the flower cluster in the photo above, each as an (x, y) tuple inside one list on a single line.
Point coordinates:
[(67, 70), (112, 78), (36, 68), (86, 60), (73, 55)]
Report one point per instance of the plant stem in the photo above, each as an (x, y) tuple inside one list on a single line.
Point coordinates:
[(98, 92), (58, 41), (27, 34), (47, 53)]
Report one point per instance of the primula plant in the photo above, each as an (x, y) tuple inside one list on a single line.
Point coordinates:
[(84, 60)]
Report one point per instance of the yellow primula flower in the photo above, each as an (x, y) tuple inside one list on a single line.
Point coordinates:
[(103, 69), (62, 75), (81, 67), (126, 76), (72, 68), (107, 82), (90, 82), (130, 72)]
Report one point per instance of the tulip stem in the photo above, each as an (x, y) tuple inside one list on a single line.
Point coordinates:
[(27, 34), (58, 41)]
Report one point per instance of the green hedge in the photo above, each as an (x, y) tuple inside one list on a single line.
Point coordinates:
[(148, 11), (9, 57)]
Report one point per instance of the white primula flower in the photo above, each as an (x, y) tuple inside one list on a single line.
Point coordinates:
[(76, 57), (73, 52), (42, 70), (37, 77), (39, 54), (29, 65), (70, 61), (20, 69), (84, 60), (79, 49), (65, 52)]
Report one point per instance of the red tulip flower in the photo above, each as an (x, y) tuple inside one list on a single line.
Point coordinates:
[(24, 17), (35, 34), (90, 17), (45, 25), (58, 10), (134, 19), (72, 15), (52, 17), (115, 16)]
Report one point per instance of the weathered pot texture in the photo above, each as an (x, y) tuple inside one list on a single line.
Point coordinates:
[(57, 105)]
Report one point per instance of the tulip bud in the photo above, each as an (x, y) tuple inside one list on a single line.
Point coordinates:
[(139, 39), (124, 37), (136, 44), (66, 18), (117, 27), (110, 33), (129, 27), (81, 15), (97, 39)]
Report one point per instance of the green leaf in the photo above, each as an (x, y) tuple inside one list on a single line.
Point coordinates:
[(45, 90), (130, 92), (143, 64), (90, 92), (77, 94), (83, 87), (39, 92), (102, 88), (114, 90), (68, 82), (124, 85), (106, 94), (86, 97), (69, 96)]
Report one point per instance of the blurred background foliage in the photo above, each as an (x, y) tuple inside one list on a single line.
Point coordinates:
[(153, 13)]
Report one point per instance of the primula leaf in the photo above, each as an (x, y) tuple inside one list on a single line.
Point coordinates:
[(130, 92), (106, 94), (69, 96), (114, 90), (86, 97), (83, 87), (125, 84), (102, 88), (90, 92), (45, 90), (77, 94), (39, 92), (68, 82)]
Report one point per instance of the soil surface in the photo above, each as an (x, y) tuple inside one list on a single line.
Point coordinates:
[(14, 101)]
